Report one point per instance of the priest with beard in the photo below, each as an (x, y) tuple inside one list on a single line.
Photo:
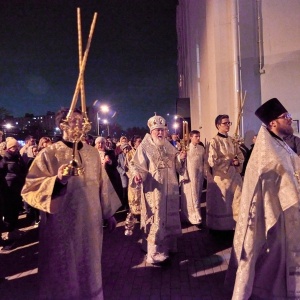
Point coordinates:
[(265, 257), (154, 166)]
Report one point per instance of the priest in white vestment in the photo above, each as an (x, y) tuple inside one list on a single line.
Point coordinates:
[(154, 166), (134, 193), (265, 257), (73, 208), (191, 182), (224, 185)]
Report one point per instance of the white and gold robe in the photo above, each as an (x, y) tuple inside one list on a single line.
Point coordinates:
[(134, 193), (224, 185), (160, 192), (71, 223), (265, 256), (192, 183)]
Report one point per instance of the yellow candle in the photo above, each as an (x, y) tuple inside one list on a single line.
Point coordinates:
[(183, 132), (187, 133), (82, 91), (82, 68)]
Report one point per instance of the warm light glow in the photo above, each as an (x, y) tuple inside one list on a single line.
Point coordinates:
[(105, 121), (8, 126), (175, 125), (104, 108), (178, 117)]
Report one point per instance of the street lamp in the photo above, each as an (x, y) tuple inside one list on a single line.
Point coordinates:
[(105, 121), (175, 126), (103, 110), (181, 126), (7, 127), (98, 123)]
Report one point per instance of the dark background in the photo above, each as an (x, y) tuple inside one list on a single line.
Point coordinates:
[(132, 63)]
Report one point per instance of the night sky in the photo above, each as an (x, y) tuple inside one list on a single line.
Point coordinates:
[(132, 63)]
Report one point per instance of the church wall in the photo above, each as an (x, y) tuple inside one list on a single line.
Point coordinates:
[(212, 77), (281, 36)]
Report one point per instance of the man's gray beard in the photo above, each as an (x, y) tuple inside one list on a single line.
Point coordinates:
[(158, 142)]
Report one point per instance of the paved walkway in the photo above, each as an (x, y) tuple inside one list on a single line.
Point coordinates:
[(197, 271)]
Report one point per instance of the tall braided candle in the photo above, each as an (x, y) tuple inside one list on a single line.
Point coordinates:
[(183, 132), (82, 68), (187, 134), (82, 91), (236, 133)]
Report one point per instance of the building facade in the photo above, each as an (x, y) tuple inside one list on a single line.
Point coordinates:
[(235, 54), (37, 126)]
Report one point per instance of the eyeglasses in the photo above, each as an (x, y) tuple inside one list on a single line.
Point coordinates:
[(285, 116), (227, 123)]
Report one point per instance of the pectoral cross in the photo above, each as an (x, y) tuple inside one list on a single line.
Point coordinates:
[(163, 164)]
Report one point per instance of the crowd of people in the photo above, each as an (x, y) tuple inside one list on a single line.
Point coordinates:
[(159, 179), (14, 164)]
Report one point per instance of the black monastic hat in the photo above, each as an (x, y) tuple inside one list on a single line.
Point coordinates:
[(270, 110)]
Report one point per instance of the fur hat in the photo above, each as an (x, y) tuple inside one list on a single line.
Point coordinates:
[(122, 138), (99, 139), (270, 110), (10, 142), (156, 122)]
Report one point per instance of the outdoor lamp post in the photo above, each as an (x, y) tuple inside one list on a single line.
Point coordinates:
[(103, 113), (98, 123), (105, 121), (103, 109), (175, 126), (7, 127), (180, 126)]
